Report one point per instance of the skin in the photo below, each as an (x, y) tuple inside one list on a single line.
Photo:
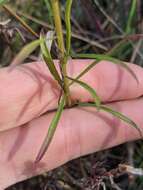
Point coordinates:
[(28, 91)]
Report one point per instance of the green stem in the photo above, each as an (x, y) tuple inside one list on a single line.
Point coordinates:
[(63, 59), (58, 25)]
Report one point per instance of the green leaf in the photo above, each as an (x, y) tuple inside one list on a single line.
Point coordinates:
[(49, 9), (51, 130), (131, 16), (68, 26), (85, 71), (89, 89), (100, 57), (49, 61), (25, 52), (114, 113)]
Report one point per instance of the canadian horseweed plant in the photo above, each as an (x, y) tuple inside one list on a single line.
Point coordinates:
[(63, 80)]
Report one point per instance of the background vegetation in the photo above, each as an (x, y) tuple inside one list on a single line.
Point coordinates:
[(97, 27)]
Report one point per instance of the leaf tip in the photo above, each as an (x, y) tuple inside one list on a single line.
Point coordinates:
[(40, 154)]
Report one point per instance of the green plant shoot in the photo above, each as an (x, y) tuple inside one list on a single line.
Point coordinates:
[(64, 51)]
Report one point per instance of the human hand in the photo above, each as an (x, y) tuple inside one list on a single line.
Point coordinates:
[(28, 91)]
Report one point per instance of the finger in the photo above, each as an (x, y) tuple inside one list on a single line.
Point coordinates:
[(111, 81), (29, 90), (80, 132)]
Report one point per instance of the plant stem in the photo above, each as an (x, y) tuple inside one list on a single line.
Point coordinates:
[(63, 59), (65, 81), (58, 25)]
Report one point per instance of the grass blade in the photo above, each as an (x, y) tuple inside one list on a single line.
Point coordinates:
[(100, 57), (49, 61), (131, 16), (25, 52), (49, 8), (90, 90), (51, 130), (116, 114), (68, 26)]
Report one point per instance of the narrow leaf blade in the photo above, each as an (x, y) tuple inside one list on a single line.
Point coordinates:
[(116, 114), (131, 16), (25, 52), (90, 90), (85, 71), (51, 130), (100, 57), (49, 61)]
